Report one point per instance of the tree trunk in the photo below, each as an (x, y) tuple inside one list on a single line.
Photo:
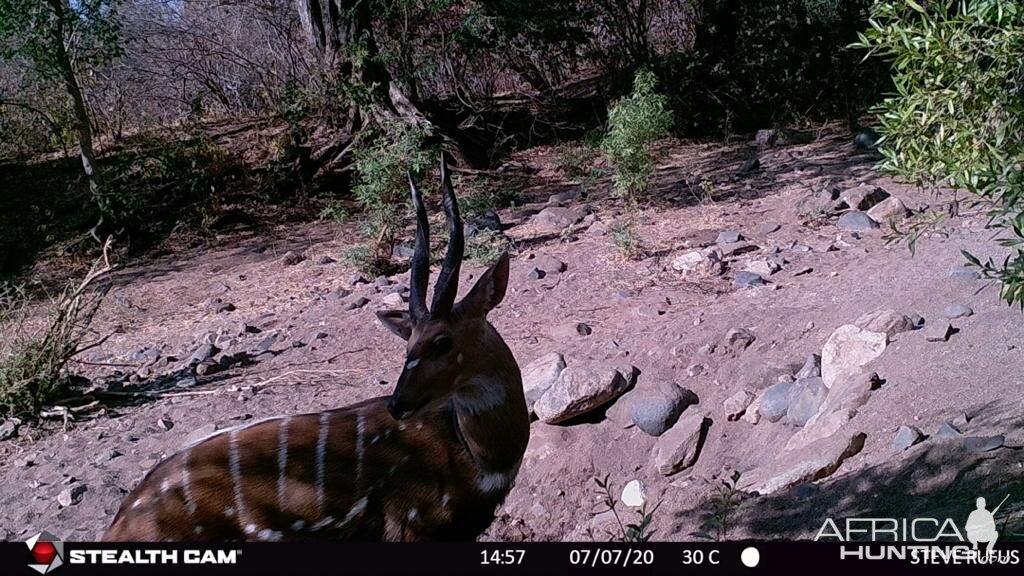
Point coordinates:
[(74, 90)]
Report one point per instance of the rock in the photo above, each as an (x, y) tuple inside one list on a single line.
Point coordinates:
[(406, 251), (774, 402), (324, 260), (736, 340), (382, 281), (762, 267), (981, 444), (811, 367), (753, 412), (489, 221), (849, 348), (965, 272), (805, 398), (737, 248), (817, 204), (106, 456), (866, 139), (819, 428), (537, 274), (679, 447), (657, 410), (694, 370), (707, 262), (203, 353), (633, 494), (165, 423), (291, 258), (748, 167), (947, 431), (357, 303), (888, 322), (540, 375), (357, 279), (549, 264), (906, 436), (957, 311), (605, 522), (850, 391), (747, 280), (736, 405), (219, 306), (652, 309), (9, 429), (393, 300), (856, 221), (818, 460), (766, 228), (766, 137), (578, 391), (938, 331), (800, 248), (25, 461), (556, 217), (892, 209), (72, 495), (563, 197), (729, 237), (863, 197), (598, 229)]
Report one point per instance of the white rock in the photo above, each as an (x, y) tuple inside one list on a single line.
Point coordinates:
[(847, 349), (706, 262), (634, 494), (679, 447), (577, 391), (540, 375)]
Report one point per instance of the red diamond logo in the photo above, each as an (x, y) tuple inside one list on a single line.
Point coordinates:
[(44, 552)]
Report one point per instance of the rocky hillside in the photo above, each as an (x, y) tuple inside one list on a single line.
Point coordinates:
[(773, 362)]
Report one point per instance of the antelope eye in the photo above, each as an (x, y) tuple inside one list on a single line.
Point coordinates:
[(440, 346)]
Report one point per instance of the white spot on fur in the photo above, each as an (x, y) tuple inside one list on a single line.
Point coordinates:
[(250, 528), (459, 358), (165, 486), (269, 535), (413, 513), (412, 364), (298, 525), (445, 499), (492, 481), (197, 529), (229, 511), (325, 522), (138, 502), (419, 425), (186, 485), (401, 426)]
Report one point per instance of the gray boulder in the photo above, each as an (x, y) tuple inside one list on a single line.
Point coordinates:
[(856, 221), (775, 401), (805, 399), (906, 436)]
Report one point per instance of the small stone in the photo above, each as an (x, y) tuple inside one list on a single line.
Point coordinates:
[(652, 310), (866, 139), (774, 402), (549, 264), (357, 303), (748, 167), (981, 444), (9, 429), (556, 217), (891, 209), (208, 367), (25, 461), (811, 367), (107, 456), (747, 279), (165, 423), (694, 370), (583, 329), (800, 248), (766, 228), (957, 311), (203, 353), (679, 447), (324, 260), (72, 495), (729, 237), (699, 263), (537, 274), (856, 221), (393, 300), (863, 197), (906, 436), (737, 340), (888, 322), (805, 397), (947, 431), (634, 494), (965, 272), (938, 331), (291, 258), (762, 267), (357, 279), (382, 281), (803, 270), (736, 405), (219, 306), (405, 251)]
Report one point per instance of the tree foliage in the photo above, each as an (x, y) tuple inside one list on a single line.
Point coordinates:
[(956, 118)]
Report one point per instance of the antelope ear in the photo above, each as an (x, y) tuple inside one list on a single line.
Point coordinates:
[(488, 291), (397, 321)]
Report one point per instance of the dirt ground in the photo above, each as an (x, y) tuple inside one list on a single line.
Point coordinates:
[(294, 346)]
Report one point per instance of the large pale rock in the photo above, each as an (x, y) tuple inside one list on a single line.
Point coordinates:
[(540, 375), (863, 197), (699, 263), (805, 398), (888, 322), (891, 209), (823, 427), (849, 348), (817, 460), (848, 392), (652, 409), (578, 391), (679, 448)]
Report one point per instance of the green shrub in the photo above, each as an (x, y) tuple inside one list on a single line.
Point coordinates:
[(395, 148), (634, 124), (957, 117), (484, 248)]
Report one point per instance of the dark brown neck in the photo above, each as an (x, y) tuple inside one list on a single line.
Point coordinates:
[(490, 407)]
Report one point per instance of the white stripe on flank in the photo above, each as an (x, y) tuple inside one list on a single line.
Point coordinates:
[(186, 485), (321, 454), (234, 460), (228, 430), (360, 447), (282, 461)]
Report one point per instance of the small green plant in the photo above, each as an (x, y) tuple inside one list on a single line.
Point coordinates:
[(336, 211), (33, 362), (956, 119), (726, 500), (395, 149), (363, 257), (638, 531), (707, 191), (627, 239), (486, 247), (476, 198)]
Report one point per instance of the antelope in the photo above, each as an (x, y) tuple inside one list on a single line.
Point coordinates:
[(432, 461)]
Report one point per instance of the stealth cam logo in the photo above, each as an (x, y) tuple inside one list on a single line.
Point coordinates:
[(47, 552)]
